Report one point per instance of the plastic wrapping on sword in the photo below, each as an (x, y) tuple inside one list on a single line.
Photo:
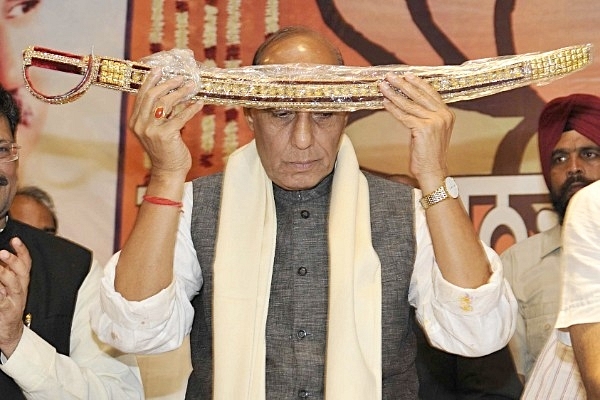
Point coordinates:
[(307, 87)]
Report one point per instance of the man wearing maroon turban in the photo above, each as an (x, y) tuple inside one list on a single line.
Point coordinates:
[(570, 120), (569, 148)]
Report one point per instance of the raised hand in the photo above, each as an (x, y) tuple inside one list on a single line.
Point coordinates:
[(14, 285), (160, 112), (419, 107)]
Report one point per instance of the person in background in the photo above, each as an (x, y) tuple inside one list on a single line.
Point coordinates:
[(569, 148), (35, 207), (294, 271), (47, 287)]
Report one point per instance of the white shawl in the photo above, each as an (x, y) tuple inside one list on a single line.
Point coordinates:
[(242, 280)]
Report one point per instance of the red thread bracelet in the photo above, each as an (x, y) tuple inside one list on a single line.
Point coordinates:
[(161, 201)]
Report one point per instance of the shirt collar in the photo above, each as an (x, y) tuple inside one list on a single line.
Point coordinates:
[(551, 241)]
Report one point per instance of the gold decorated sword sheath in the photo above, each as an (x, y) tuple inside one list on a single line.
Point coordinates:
[(324, 88)]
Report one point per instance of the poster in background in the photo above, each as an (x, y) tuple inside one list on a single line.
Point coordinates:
[(494, 136), (71, 150)]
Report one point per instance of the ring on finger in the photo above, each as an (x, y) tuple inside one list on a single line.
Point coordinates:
[(159, 112)]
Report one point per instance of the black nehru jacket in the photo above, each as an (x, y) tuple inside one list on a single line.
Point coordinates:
[(58, 268)]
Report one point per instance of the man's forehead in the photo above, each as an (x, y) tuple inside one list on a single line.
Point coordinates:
[(568, 138), (574, 134)]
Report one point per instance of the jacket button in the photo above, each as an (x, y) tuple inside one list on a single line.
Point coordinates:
[(301, 334)]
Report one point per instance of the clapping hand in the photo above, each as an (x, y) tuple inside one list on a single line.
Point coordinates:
[(14, 285)]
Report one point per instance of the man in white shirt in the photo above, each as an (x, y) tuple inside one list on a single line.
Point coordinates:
[(568, 367), (580, 302)]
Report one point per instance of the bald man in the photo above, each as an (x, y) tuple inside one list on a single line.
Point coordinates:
[(294, 271), (34, 207)]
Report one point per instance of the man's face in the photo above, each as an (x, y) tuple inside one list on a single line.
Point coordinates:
[(19, 24), (297, 149), (575, 164), (8, 171)]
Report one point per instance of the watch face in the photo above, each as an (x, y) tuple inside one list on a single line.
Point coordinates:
[(451, 187)]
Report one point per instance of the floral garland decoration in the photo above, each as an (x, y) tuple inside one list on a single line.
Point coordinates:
[(232, 60), (157, 24), (182, 24), (155, 41), (209, 41), (271, 17)]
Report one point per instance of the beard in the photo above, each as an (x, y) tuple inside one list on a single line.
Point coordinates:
[(561, 197)]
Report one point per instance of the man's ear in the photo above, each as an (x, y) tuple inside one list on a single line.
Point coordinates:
[(249, 118)]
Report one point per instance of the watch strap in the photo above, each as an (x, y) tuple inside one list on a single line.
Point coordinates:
[(434, 197)]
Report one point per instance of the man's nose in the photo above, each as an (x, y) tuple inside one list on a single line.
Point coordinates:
[(575, 167), (302, 134)]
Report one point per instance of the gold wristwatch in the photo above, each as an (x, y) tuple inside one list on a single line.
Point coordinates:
[(448, 190)]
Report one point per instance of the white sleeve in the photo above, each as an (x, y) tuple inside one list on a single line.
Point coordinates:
[(468, 322), (93, 370), (158, 323), (580, 263)]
